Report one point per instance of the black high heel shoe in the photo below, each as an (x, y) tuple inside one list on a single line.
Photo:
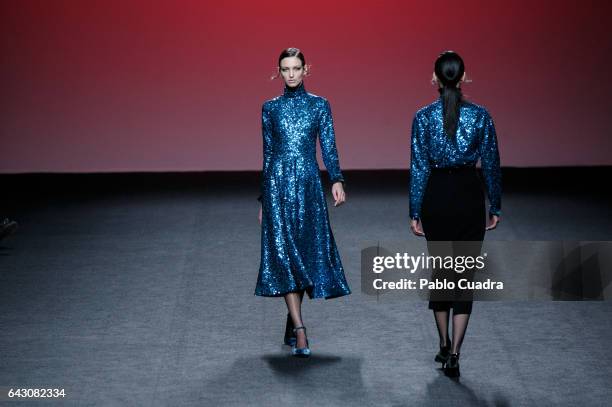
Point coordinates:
[(443, 354), (290, 338), (451, 368)]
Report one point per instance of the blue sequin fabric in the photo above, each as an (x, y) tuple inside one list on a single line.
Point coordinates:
[(298, 251), (433, 148)]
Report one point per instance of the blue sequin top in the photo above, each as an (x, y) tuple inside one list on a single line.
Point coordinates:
[(432, 148), (299, 116)]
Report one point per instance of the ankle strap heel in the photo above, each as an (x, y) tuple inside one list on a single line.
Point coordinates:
[(300, 352)]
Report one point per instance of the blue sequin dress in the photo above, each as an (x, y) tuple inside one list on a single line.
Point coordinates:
[(298, 251), (432, 148)]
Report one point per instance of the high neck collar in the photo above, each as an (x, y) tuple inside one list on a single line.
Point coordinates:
[(293, 92)]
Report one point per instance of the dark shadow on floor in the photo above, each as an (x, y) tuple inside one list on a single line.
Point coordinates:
[(257, 380)]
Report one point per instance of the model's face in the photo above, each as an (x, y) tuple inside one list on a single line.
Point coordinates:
[(292, 71)]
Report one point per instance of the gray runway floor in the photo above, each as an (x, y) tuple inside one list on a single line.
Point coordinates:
[(147, 299)]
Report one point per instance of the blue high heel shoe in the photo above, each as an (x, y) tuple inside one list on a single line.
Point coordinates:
[(290, 338), (300, 352)]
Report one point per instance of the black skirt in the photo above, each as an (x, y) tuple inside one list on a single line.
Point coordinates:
[(453, 212)]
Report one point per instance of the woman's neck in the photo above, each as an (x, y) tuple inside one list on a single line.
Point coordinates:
[(295, 90)]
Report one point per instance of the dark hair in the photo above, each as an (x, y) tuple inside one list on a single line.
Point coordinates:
[(449, 69), (292, 52)]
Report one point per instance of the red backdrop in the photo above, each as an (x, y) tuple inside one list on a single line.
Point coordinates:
[(178, 85)]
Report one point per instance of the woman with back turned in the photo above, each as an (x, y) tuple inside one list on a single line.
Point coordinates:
[(447, 204), (298, 251)]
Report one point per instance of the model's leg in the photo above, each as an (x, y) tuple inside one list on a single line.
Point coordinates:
[(460, 323), (441, 314), (462, 306), (442, 324), (294, 305)]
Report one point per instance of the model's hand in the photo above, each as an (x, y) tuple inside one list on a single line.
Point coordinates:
[(493, 221), (338, 193), (260, 214), (415, 226)]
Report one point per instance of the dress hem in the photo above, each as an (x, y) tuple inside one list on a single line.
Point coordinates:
[(309, 292)]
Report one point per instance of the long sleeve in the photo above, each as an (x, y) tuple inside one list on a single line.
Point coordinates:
[(327, 140), (266, 131), (489, 160), (419, 166)]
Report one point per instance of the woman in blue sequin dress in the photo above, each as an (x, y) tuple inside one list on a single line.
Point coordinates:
[(447, 201), (298, 251)]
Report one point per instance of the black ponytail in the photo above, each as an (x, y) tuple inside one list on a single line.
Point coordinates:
[(449, 69)]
